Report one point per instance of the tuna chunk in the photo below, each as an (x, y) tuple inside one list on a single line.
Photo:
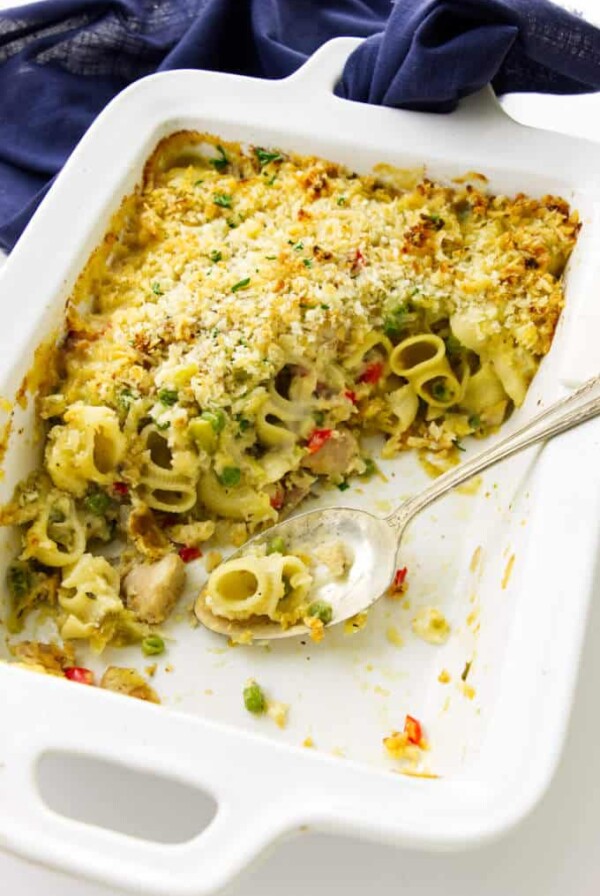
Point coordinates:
[(335, 456), (129, 682), (152, 589)]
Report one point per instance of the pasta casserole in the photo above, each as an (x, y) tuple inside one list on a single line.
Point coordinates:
[(249, 316)]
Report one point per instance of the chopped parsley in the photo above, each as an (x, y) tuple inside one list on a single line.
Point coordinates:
[(162, 426), (198, 182), (319, 417), (341, 200), (271, 257), (299, 246), (241, 284), (221, 162), (216, 256), (230, 476), (223, 200), (397, 319), (244, 424), (474, 421), (343, 486), (157, 290), (307, 262), (168, 397), (18, 579), (97, 503), (264, 156), (324, 307), (124, 399)]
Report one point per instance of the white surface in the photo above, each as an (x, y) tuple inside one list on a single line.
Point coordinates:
[(552, 852)]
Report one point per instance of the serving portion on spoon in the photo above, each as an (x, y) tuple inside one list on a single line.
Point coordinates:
[(253, 579)]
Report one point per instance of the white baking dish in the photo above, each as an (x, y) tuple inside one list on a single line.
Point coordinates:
[(496, 753)]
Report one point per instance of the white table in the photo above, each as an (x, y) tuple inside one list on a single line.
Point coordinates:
[(554, 851)]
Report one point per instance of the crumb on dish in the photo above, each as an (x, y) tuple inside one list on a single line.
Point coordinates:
[(431, 625), (355, 623)]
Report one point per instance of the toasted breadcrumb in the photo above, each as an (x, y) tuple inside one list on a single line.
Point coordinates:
[(316, 628), (212, 560)]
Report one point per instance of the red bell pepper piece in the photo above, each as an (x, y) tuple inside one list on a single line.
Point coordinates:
[(413, 730), (79, 674), (372, 373), (188, 554), (277, 500), (400, 577)]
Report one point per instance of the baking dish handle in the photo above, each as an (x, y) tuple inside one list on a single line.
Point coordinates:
[(321, 72), (251, 788)]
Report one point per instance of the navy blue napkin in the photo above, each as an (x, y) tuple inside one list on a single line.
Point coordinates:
[(61, 61)]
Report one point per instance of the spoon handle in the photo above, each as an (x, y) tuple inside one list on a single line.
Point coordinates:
[(576, 408)]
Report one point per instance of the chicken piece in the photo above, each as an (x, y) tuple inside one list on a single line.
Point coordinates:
[(335, 456), (128, 682), (152, 589)]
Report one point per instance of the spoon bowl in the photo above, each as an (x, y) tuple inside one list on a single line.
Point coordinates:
[(373, 542)]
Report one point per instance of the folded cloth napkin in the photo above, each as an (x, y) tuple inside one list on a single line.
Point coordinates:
[(61, 61)]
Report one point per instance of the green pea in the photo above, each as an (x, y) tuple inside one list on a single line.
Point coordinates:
[(276, 546), (321, 610), (230, 476), (216, 419), (153, 645), (254, 699)]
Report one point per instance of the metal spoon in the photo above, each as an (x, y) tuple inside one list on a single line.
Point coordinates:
[(374, 541)]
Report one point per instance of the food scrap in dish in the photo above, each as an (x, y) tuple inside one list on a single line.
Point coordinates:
[(431, 625)]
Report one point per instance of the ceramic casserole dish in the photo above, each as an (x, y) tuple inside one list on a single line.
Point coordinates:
[(533, 527)]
